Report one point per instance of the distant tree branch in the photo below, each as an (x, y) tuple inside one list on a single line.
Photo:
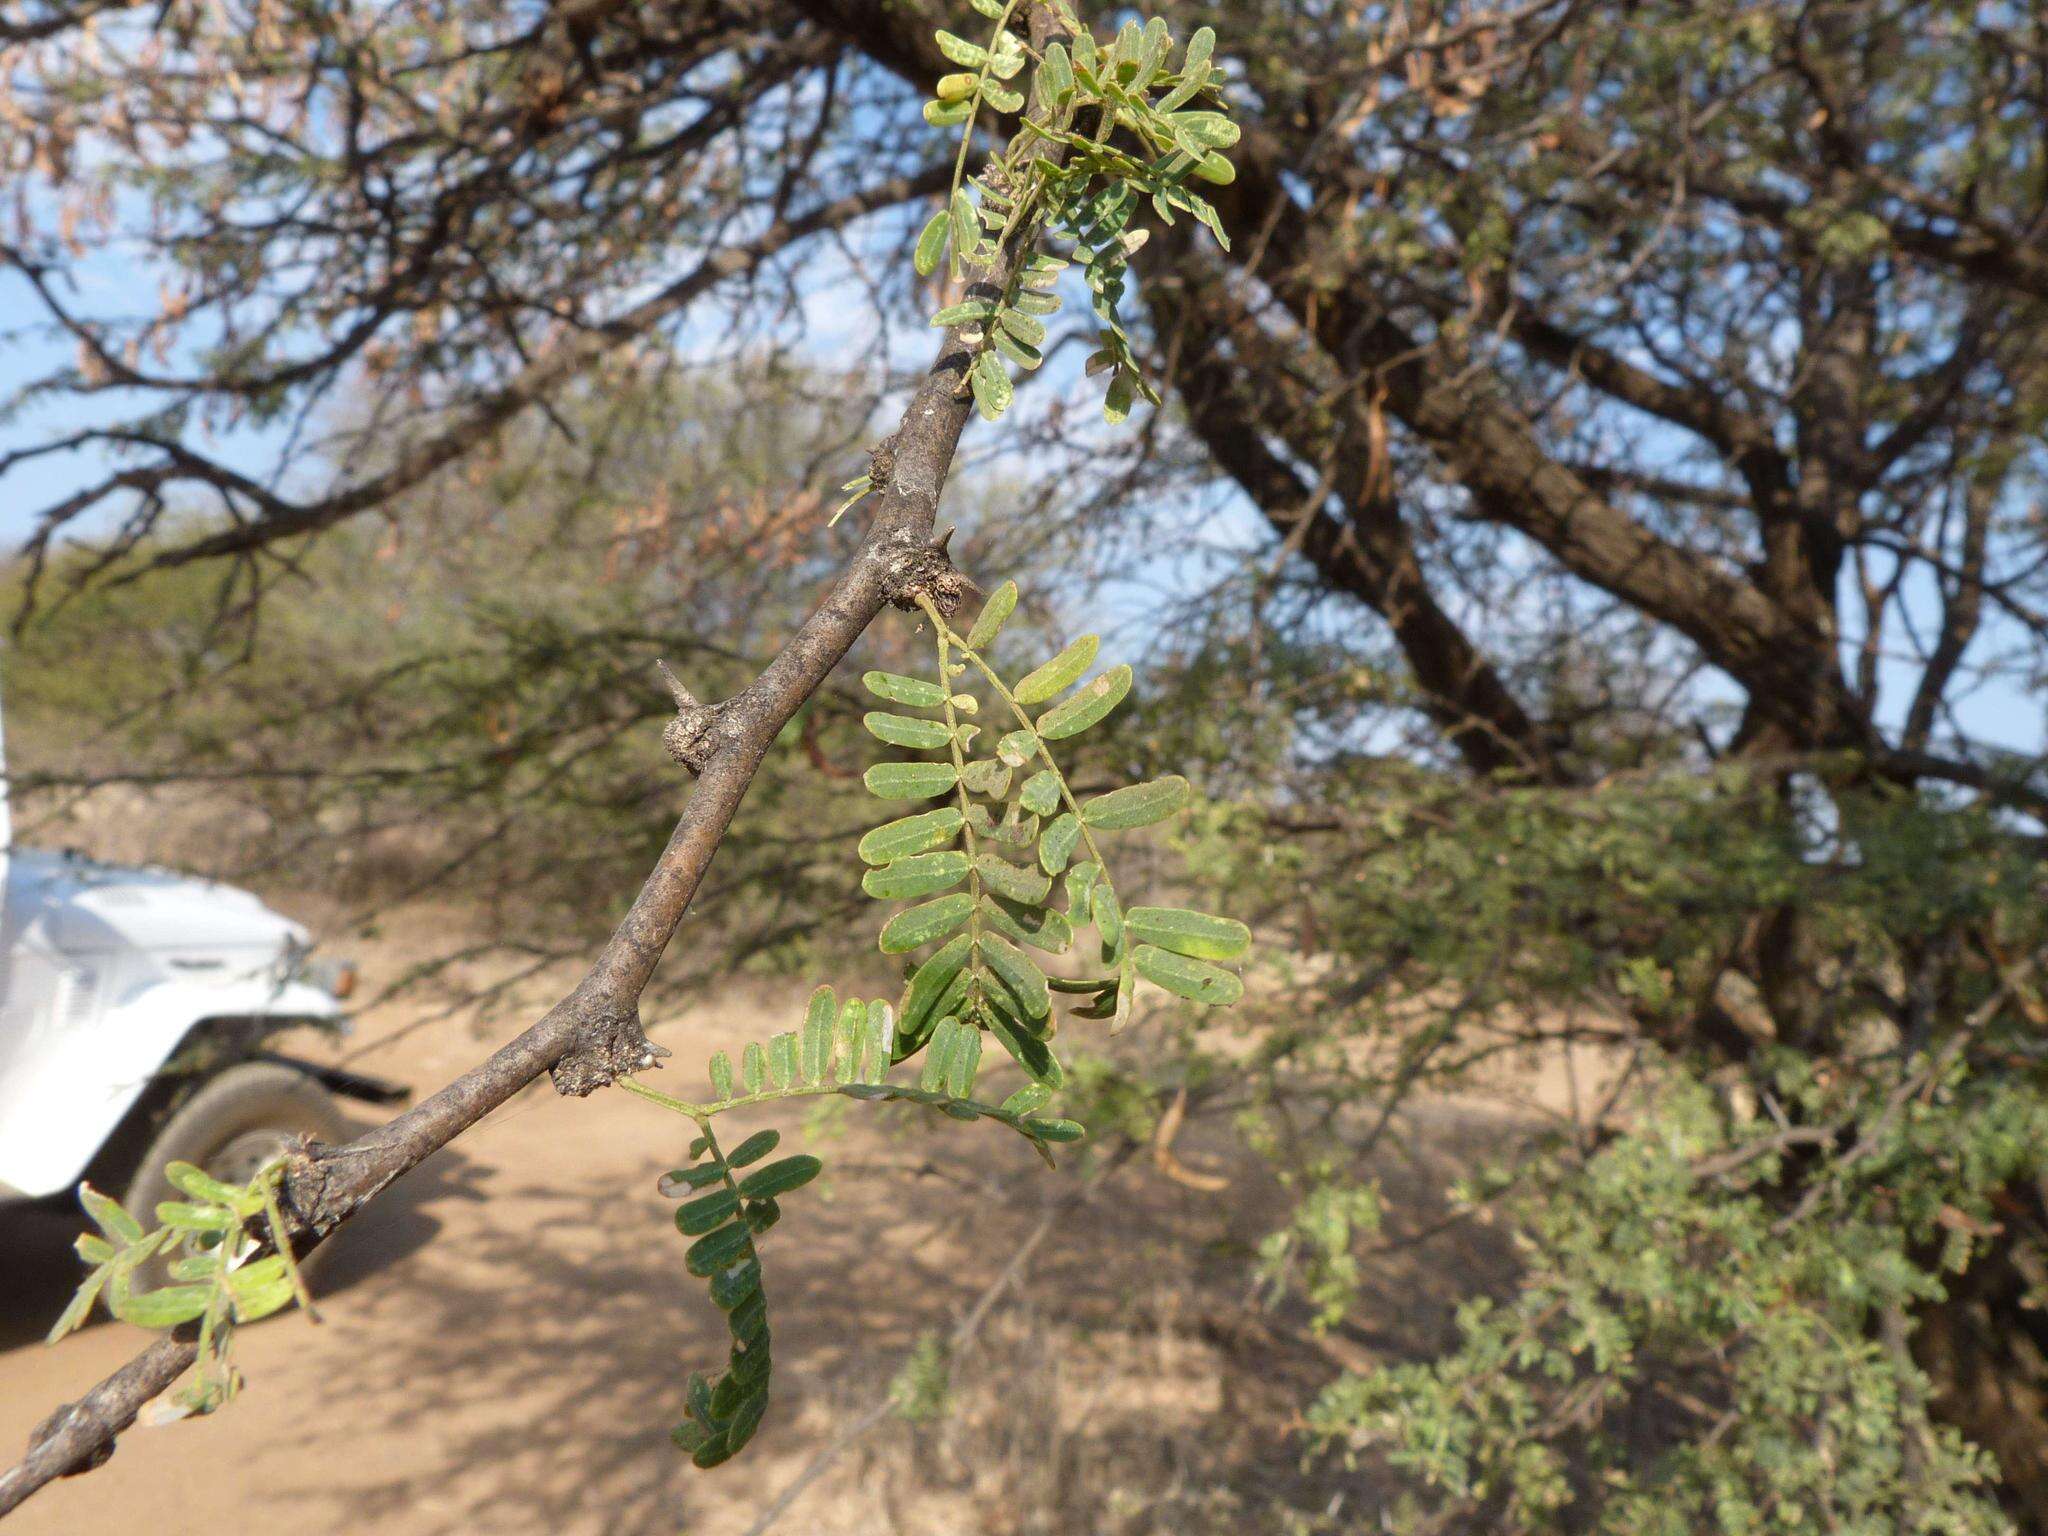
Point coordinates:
[(473, 424)]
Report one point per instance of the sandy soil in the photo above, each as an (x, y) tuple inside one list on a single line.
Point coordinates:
[(508, 1331)]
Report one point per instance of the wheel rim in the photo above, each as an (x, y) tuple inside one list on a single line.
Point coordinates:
[(239, 1160)]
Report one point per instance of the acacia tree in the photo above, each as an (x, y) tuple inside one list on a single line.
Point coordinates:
[(1644, 385), (231, 1249)]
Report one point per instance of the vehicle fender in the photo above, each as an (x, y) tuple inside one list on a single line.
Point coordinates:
[(58, 1107)]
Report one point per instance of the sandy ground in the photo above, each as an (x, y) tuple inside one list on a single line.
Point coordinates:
[(508, 1331)]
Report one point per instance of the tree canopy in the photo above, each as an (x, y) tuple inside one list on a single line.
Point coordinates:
[(1625, 430)]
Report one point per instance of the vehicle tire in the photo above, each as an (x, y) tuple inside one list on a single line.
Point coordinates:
[(237, 1122)]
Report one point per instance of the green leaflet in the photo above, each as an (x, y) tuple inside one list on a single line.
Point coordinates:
[(987, 776), (733, 1286), (753, 1149), (1018, 748), (1059, 674), (918, 875), (753, 1067), (1015, 881), (1040, 927), (910, 781), (1195, 980), (849, 1038), (1023, 327), (950, 1059), (1023, 980), (782, 1060), (1057, 1130), (994, 613), (721, 1076), (973, 312), (962, 1062), (959, 51), (1056, 845), (921, 925), (780, 1177), (1136, 805), (1041, 793), (906, 731), (676, 1180), (717, 1250), (1017, 829), (1085, 708), (931, 243), (186, 1217), (207, 1190), (965, 236), (165, 1307), (696, 1217), (1116, 401), (1029, 1052), (1023, 355), (1199, 131), (108, 1215), (1056, 75), (913, 834), (991, 384), (815, 1058), (261, 1289), (1126, 994), (877, 1044), (79, 1308), (1031, 1096), (1108, 916), (930, 982), (1195, 934), (1080, 890), (914, 691)]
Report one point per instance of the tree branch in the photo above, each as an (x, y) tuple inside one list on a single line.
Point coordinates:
[(592, 1036), (476, 421)]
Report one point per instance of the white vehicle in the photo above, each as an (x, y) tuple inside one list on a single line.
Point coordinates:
[(136, 1007)]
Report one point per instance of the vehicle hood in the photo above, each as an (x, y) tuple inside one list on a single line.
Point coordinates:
[(86, 907)]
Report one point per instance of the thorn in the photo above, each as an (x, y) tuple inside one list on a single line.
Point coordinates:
[(683, 697)]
